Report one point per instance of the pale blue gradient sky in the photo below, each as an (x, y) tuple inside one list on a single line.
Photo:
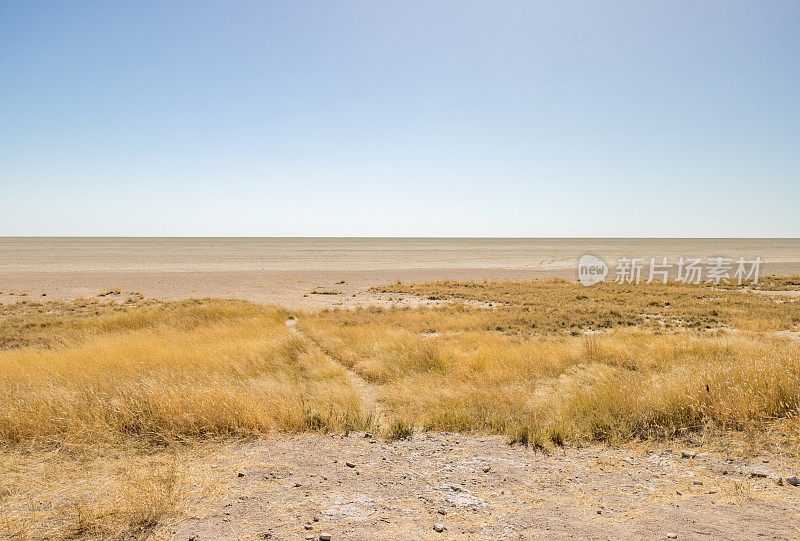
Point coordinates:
[(400, 118)]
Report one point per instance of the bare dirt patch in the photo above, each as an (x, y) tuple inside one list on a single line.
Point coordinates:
[(482, 488)]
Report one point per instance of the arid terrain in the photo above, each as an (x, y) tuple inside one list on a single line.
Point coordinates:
[(290, 272), (481, 487), (538, 409), (390, 270)]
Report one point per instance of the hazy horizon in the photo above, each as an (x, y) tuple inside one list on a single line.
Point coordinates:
[(488, 237)]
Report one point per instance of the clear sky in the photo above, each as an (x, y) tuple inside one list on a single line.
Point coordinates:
[(421, 118)]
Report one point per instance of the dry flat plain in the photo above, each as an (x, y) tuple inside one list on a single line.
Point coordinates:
[(538, 409), (285, 271)]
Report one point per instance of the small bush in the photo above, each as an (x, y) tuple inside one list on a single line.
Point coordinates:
[(399, 430)]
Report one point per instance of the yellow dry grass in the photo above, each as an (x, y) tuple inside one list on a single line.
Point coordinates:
[(173, 372), (129, 395), (611, 387), (101, 420), (101, 493)]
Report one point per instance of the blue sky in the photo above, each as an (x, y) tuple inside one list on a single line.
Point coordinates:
[(400, 118)]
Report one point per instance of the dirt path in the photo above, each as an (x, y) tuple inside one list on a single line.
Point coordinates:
[(482, 488), (366, 390)]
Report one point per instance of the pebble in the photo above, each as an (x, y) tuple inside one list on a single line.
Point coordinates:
[(367, 434), (758, 474), (350, 465), (697, 482), (324, 536), (240, 474), (310, 537), (688, 454), (486, 469), (308, 527), (794, 481), (438, 527), (442, 511), (672, 536)]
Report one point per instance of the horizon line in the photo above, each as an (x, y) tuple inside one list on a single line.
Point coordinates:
[(393, 237)]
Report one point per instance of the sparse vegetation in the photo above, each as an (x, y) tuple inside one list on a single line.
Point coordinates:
[(151, 384), (399, 430), (131, 393), (559, 306), (167, 372), (555, 362)]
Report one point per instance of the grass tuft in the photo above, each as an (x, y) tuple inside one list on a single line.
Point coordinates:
[(399, 430)]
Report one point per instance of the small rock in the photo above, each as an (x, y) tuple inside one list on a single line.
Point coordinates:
[(296, 485), (757, 473), (240, 474), (688, 454), (438, 527), (193, 538), (672, 536), (367, 434), (779, 481), (697, 482), (315, 519), (487, 469), (310, 537), (794, 481), (350, 465), (308, 527), (442, 511), (679, 493), (324, 536)]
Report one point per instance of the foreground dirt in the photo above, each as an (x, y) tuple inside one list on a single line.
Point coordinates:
[(358, 487)]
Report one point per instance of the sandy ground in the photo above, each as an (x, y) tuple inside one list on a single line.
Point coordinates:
[(483, 488), (291, 289)]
